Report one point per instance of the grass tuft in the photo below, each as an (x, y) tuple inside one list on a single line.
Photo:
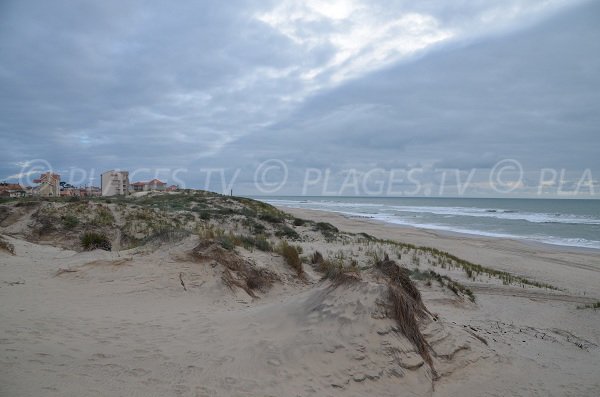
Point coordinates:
[(291, 256), (595, 306), (407, 306), (92, 240), (70, 221)]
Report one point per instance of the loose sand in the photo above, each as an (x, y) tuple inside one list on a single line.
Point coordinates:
[(120, 324)]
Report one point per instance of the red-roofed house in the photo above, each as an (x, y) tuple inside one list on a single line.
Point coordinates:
[(153, 185), (11, 190)]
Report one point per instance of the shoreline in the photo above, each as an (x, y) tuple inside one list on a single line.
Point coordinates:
[(576, 269), (450, 233)]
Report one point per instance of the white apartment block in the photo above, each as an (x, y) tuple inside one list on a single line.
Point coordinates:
[(114, 183)]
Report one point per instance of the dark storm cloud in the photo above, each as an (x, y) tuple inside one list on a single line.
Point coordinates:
[(230, 84)]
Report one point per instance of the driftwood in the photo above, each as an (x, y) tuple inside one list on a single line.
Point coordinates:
[(181, 281)]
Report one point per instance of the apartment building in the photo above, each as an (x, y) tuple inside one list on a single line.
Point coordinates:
[(115, 183), (48, 185)]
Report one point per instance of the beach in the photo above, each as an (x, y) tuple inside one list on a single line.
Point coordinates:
[(172, 318), (576, 269)]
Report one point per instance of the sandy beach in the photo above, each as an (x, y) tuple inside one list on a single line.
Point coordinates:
[(153, 321), (576, 269)]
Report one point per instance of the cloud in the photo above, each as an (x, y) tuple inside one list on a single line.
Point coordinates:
[(339, 84)]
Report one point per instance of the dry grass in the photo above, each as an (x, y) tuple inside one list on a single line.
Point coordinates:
[(237, 272), (316, 258), (291, 256), (407, 306), (334, 269)]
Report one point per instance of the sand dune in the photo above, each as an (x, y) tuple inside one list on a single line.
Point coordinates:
[(121, 323)]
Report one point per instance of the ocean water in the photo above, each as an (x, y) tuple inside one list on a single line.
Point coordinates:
[(561, 222)]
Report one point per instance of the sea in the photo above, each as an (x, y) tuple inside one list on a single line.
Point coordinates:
[(563, 222)]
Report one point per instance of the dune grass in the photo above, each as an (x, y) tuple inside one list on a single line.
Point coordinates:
[(93, 240), (291, 256), (407, 307)]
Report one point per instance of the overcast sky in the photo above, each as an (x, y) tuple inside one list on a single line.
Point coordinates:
[(172, 89)]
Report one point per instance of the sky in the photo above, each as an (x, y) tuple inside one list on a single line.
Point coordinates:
[(431, 98)]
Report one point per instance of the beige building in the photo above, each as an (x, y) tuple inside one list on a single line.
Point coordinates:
[(48, 185), (114, 183), (153, 185), (11, 190)]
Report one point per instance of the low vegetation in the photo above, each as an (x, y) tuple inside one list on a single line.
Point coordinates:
[(595, 306), (237, 222), (443, 281), (327, 230), (237, 271), (93, 240), (70, 221), (335, 269), (407, 307), (443, 260), (291, 256)]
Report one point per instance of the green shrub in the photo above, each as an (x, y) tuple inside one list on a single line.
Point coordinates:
[(258, 228), (287, 232), (327, 230), (271, 217), (70, 221), (26, 203), (93, 240), (226, 242), (263, 244), (205, 215), (259, 242), (299, 222), (326, 227), (103, 217), (168, 234)]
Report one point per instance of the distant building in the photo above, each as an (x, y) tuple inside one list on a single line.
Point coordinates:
[(48, 185), (69, 192), (115, 183), (153, 185), (172, 188), (90, 191), (11, 190)]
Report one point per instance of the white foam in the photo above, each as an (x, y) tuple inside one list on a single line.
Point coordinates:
[(394, 214)]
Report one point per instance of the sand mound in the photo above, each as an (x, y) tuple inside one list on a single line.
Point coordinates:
[(237, 271)]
